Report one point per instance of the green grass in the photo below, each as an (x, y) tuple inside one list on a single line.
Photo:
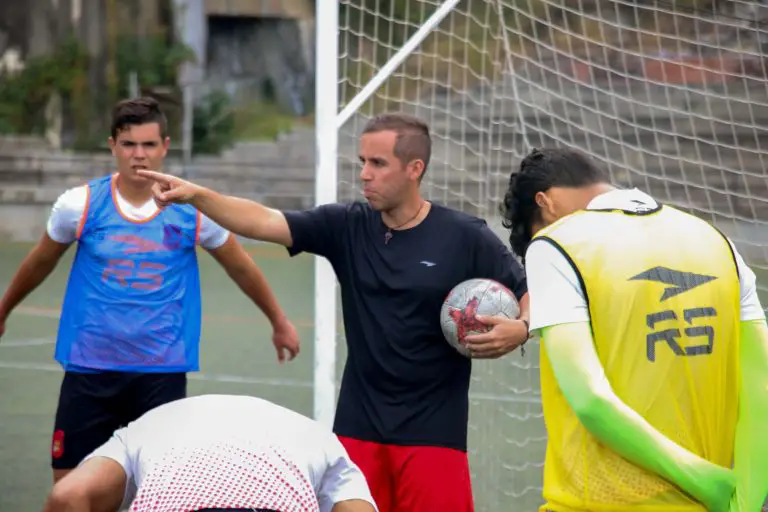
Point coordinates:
[(236, 342)]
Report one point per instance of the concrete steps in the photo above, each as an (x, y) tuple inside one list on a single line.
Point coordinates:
[(708, 148)]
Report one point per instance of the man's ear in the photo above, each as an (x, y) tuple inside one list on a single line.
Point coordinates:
[(542, 201), (416, 169), (111, 143), (546, 208)]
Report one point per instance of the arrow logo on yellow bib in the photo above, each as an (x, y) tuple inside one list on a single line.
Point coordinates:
[(678, 281)]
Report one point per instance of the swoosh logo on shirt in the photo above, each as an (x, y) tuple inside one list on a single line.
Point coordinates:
[(138, 245), (677, 281)]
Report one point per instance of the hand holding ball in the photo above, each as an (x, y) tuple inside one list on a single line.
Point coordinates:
[(468, 299)]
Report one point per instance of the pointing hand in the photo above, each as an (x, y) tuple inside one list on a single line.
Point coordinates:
[(169, 189)]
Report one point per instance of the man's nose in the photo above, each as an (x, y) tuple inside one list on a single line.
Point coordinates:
[(139, 151), (365, 173)]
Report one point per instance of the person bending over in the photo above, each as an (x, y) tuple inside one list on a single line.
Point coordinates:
[(216, 452)]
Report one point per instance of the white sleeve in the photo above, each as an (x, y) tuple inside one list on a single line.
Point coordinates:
[(212, 236), (554, 290), (66, 215), (116, 448), (342, 480), (751, 309)]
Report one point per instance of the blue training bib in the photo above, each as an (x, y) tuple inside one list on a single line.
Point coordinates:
[(133, 297)]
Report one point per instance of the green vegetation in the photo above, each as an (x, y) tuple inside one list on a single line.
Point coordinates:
[(217, 123), (68, 73), (477, 42), (153, 60), (25, 95), (264, 121), (213, 127), (150, 61)]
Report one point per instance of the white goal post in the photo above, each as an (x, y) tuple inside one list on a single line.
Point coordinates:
[(669, 96), (328, 121), (326, 191)]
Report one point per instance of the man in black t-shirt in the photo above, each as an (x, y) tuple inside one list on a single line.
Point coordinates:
[(403, 405)]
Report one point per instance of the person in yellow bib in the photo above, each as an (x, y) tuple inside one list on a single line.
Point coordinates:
[(654, 359)]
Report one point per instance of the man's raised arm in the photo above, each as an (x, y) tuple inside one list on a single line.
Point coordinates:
[(241, 216)]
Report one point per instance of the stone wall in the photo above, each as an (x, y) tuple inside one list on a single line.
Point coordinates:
[(262, 59)]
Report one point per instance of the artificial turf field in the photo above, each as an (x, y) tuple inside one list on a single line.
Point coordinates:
[(507, 433), (507, 436)]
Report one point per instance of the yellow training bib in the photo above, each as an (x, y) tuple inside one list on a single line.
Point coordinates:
[(663, 294)]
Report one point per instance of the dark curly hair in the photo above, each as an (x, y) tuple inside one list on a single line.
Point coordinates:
[(541, 170)]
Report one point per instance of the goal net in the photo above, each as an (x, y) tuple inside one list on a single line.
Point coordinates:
[(670, 96)]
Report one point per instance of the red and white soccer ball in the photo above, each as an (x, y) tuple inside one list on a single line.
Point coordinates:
[(470, 298)]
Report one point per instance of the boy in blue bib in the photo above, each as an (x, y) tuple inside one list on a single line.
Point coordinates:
[(130, 324)]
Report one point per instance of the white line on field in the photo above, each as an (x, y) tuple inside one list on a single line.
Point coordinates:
[(32, 342), (39, 312), (295, 383)]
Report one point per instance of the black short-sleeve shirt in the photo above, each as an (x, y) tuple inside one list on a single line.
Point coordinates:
[(403, 383)]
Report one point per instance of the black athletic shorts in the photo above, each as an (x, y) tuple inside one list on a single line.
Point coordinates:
[(93, 405)]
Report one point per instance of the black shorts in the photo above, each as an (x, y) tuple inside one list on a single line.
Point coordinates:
[(93, 405)]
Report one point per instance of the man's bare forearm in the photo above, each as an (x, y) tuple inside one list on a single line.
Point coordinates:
[(243, 217), (31, 273), (254, 285), (250, 279)]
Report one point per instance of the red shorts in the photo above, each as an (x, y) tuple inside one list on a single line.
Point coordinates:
[(413, 478)]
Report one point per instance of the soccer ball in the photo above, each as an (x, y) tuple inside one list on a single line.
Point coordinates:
[(474, 297)]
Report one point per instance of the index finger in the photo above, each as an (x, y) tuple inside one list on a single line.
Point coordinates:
[(154, 175)]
